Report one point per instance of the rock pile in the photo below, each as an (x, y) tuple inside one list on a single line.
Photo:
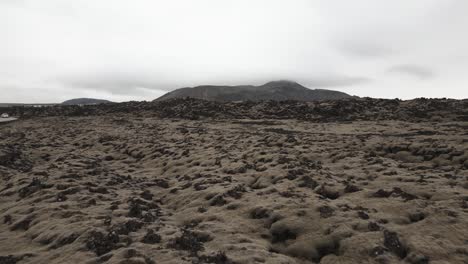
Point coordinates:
[(352, 109)]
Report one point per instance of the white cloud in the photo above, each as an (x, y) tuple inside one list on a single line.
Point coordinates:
[(59, 49), (412, 70)]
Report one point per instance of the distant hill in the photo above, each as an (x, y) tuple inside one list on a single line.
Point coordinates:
[(25, 105), (85, 101), (277, 91)]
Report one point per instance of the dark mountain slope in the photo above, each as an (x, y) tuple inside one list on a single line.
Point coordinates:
[(85, 101), (276, 91)]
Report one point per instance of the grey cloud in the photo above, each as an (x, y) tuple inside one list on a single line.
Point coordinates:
[(413, 70), (335, 81), (117, 83), (365, 50), (137, 51), (125, 84)]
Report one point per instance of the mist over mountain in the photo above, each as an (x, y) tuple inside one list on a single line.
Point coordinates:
[(276, 91)]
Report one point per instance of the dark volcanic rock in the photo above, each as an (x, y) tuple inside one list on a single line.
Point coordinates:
[(347, 109), (392, 242), (266, 191), (151, 237), (101, 243), (190, 241), (9, 259), (218, 258), (12, 157), (35, 185)]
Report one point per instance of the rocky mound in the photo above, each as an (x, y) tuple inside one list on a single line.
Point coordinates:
[(277, 91)]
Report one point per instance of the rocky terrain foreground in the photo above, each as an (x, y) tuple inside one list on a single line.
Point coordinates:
[(190, 181)]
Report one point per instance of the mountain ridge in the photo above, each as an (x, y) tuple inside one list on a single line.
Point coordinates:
[(85, 101), (281, 90)]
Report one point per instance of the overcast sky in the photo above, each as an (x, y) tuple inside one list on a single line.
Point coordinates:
[(53, 50)]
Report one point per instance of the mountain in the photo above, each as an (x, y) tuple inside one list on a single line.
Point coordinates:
[(277, 91), (85, 101), (22, 104)]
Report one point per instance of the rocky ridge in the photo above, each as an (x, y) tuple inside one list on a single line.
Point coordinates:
[(352, 109)]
